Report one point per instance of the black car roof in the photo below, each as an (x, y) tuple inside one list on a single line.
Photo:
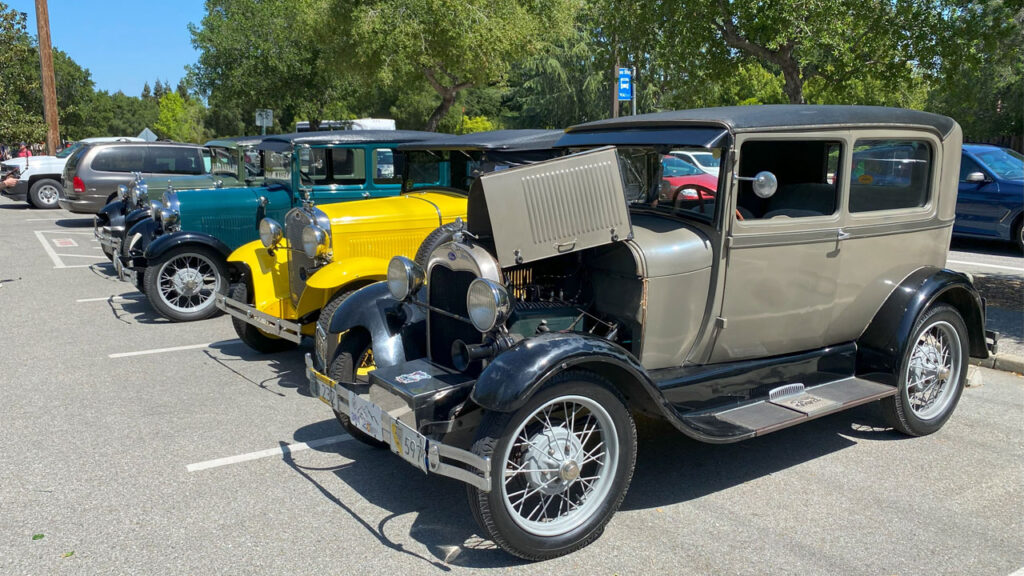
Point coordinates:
[(510, 140), (235, 141), (280, 141), (778, 117)]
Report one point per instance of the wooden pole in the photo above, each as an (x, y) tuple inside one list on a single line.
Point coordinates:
[(49, 85)]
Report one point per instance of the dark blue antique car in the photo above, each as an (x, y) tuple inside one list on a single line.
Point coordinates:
[(990, 202)]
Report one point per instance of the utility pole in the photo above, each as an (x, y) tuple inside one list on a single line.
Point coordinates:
[(49, 86), (615, 79)]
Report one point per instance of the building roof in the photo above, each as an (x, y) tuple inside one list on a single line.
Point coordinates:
[(778, 117)]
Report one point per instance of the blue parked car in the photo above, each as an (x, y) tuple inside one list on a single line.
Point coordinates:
[(990, 203)]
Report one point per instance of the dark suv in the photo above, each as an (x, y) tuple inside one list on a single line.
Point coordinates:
[(92, 175)]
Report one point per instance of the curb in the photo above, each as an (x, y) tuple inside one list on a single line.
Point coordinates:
[(1004, 362)]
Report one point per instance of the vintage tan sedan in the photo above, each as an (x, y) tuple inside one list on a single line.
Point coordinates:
[(577, 296)]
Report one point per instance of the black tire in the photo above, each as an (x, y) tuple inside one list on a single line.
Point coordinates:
[(352, 348), (915, 411), (140, 280), (253, 337), (439, 236), (593, 400), (43, 193), (187, 307), (1018, 233)]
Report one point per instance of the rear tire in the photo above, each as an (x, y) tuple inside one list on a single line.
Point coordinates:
[(1018, 233), (932, 373), (353, 349), (44, 194), (253, 337), (571, 447)]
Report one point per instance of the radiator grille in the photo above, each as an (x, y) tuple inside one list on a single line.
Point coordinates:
[(446, 290), (300, 266)]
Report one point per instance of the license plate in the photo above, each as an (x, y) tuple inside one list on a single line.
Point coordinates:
[(365, 416), (408, 443), (322, 390)]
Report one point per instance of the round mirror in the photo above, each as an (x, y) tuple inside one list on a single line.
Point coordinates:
[(765, 184)]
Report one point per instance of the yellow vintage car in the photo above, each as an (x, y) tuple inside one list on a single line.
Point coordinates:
[(302, 270)]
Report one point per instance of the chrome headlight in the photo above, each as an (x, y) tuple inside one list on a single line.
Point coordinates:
[(122, 192), (270, 233), (155, 207), (133, 195), (488, 304), (169, 218), (405, 277), (315, 242)]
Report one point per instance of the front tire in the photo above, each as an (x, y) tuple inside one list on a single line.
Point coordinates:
[(932, 373), (354, 360), (182, 283), (560, 467), (253, 337), (43, 194)]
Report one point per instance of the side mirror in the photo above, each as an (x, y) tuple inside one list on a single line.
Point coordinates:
[(977, 177), (763, 183)]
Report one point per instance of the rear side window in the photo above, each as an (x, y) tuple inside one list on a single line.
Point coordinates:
[(174, 160), (119, 159), (384, 167), (326, 166), (890, 175)]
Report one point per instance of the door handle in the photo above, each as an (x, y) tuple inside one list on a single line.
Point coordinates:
[(842, 234)]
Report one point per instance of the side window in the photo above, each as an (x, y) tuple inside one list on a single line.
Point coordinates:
[(348, 166), (224, 162), (253, 159), (967, 166), (174, 160), (278, 165), (313, 165), (119, 159), (807, 174), (889, 175), (384, 167)]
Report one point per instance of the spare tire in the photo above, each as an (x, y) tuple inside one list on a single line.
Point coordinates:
[(433, 240)]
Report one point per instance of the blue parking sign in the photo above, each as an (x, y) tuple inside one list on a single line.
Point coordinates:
[(625, 84)]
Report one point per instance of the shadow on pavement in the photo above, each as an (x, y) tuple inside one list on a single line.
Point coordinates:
[(288, 367), (80, 222)]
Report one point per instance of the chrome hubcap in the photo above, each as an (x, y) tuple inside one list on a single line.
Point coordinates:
[(934, 370), (188, 282), (48, 195), (559, 467)]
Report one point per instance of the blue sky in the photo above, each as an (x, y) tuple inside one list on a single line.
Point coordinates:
[(123, 43)]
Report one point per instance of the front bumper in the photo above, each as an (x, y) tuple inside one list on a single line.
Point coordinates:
[(18, 192), (273, 325), (107, 236), (387, 426)]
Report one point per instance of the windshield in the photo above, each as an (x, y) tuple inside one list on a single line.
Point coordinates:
[(705, 159), (648, 180), (1004, 162), (69, 150), (223, 161), (674, 167)]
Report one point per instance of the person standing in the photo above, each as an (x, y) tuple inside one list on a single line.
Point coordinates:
[(24, 152)]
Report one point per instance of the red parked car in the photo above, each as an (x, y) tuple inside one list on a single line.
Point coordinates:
[(681, 180)]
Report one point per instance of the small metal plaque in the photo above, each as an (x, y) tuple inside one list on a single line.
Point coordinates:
[(807, 403)]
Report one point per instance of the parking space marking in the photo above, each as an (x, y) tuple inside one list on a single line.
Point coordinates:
[(980, 265), (159, 350), (279, 451), (64, 243), (49, 251), (108, 299), (93, 256), (54, 256)]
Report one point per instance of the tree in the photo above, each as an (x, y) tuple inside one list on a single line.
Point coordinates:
[(450, 45), (179, 119), (18, 121)]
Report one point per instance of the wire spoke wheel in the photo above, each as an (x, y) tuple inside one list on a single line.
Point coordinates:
[(934, 366), (554, 470), (188, 282)]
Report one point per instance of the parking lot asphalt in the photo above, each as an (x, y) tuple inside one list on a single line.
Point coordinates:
[(137, 446)]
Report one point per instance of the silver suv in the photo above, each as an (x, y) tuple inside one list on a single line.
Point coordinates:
[(92, 174)]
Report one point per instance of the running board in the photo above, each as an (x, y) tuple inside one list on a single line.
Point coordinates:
[(786, 406)]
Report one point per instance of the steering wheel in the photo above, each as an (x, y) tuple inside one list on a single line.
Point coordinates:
[(701, 191)]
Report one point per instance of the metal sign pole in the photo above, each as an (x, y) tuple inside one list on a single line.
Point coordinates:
[(633, 84)]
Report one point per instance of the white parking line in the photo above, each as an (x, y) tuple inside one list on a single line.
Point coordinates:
[(44, 220), (93, 256), (159, 350), (280, 450), (107, 299), (979, 265), (49, 251)]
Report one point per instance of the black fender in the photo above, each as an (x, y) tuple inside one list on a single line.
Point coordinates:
[(165, 242), (112, 214), (880, 348), (397, 329), (512, 378), (136, 216), (148, 230)]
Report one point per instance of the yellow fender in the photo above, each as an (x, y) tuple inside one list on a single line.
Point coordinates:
[(269, 277), (337, 277)]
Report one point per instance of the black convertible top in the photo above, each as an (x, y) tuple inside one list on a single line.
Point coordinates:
[(286, 141), (235, 141), (779, 117), (507, 140)]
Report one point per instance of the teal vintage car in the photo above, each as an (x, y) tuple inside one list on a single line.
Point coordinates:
[(178, 256), (229, 162)]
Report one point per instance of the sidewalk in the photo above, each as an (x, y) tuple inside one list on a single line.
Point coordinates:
[(1005, 314)]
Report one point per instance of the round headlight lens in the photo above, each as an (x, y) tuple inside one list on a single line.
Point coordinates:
[(133, 195), (405, 277), (122, 192), (168, 217), (488, 304), (142, 191), (314, 241), (270, 232)]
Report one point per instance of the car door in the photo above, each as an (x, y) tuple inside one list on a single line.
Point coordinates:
[(782, 252), (979, 207)]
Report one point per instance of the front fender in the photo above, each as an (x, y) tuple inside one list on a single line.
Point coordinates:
[(268, 275), (136, 216), (397, 330), (512, 378), (166, 242), (338, 276), (137, 239), (880, 348), (112, 214)]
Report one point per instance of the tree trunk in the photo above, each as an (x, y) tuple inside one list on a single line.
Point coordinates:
[(794, 87), (314, 124), (447, 101)]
